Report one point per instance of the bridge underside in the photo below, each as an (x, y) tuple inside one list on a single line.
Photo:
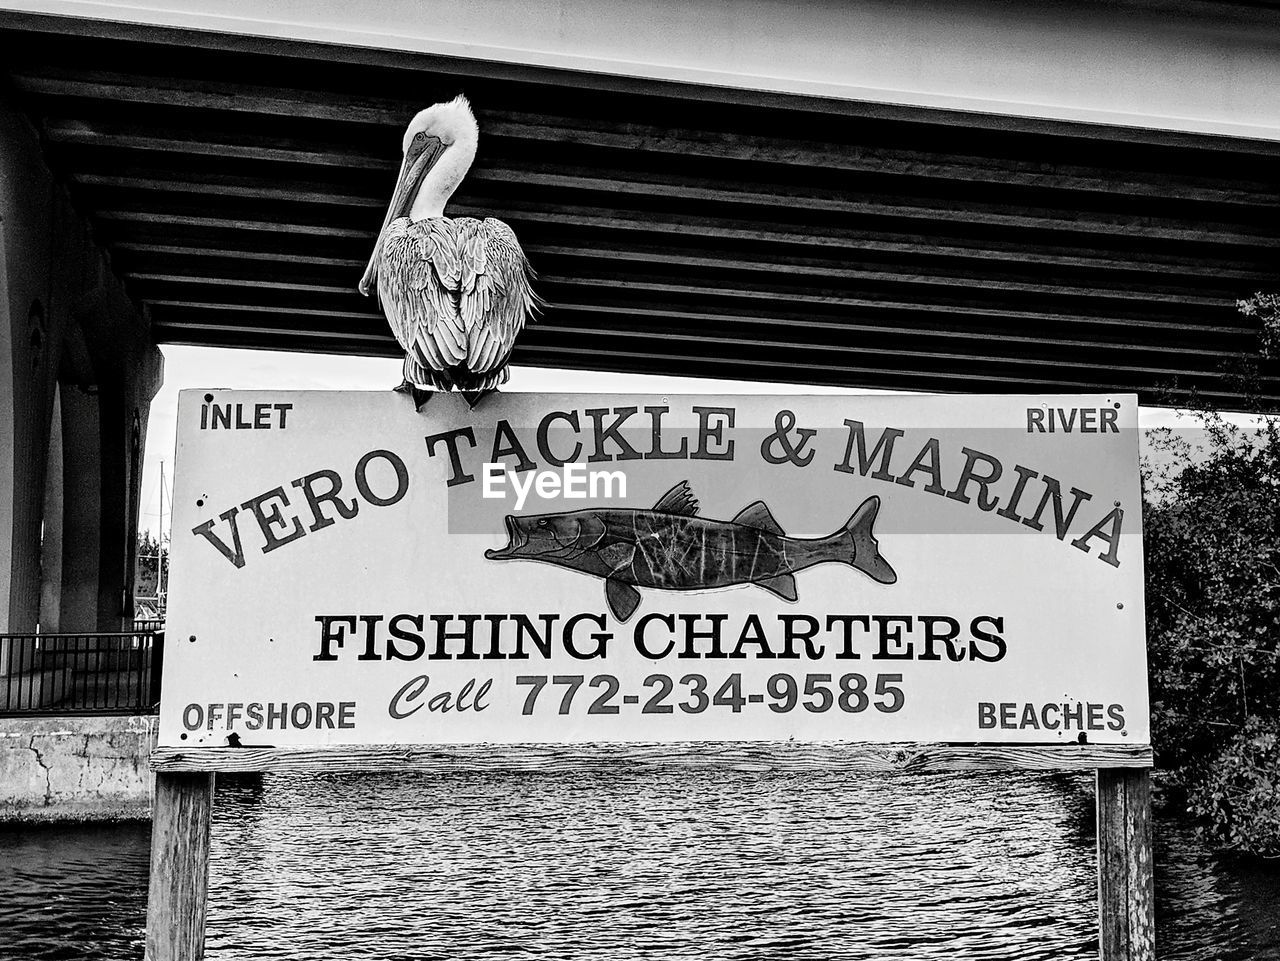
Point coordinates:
[(237, 185)]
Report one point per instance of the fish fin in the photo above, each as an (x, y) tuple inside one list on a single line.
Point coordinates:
[(857, 537), (784, 585), (678, 500), (757, 515), (622, 597)]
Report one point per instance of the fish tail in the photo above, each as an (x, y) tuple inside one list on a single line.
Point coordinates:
[(858, 546)]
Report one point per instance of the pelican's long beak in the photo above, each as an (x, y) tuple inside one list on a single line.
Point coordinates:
[(418, 159)]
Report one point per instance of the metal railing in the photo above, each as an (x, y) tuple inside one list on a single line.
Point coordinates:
[(80, 673)]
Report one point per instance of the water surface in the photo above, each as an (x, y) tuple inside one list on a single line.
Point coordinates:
[(608, 866)]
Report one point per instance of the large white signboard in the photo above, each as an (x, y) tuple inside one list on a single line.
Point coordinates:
[(572, 568)]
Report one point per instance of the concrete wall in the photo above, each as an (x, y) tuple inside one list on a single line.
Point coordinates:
[(76, 768)]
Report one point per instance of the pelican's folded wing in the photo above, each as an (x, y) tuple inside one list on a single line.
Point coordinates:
[(418, 284), (497, 297)]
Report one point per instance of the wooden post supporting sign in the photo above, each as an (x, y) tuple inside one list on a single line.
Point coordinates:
[(1126, 899), (179, 867)]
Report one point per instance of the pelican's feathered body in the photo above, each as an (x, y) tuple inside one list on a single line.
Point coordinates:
[(456, 291)]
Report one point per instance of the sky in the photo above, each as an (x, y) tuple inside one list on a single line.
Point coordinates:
[(216, 367)]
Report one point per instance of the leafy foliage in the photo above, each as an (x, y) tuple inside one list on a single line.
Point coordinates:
[(1212, 524), (153, 565), (1238, 792)]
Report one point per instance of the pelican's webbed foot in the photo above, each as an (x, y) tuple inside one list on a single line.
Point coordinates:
[(474, 397), (420, 395)]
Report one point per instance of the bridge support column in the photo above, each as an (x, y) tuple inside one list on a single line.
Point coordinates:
[(72, 346), (76, 588)]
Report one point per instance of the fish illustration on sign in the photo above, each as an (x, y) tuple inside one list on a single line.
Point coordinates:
[(671, 548)]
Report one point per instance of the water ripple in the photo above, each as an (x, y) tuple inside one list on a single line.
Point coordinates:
[(618, 866)]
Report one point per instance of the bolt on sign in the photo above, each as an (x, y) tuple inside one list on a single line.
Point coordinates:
[(569, 568)]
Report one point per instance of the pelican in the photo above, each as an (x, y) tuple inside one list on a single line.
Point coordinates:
[(456, 290)]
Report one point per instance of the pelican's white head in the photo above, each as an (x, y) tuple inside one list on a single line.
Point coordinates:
[(439, 146), (450, 122)]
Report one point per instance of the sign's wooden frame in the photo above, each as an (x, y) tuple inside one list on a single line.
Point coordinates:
[(184, 802)]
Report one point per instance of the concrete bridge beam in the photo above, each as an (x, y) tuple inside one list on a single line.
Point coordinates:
[(1187, 65)]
